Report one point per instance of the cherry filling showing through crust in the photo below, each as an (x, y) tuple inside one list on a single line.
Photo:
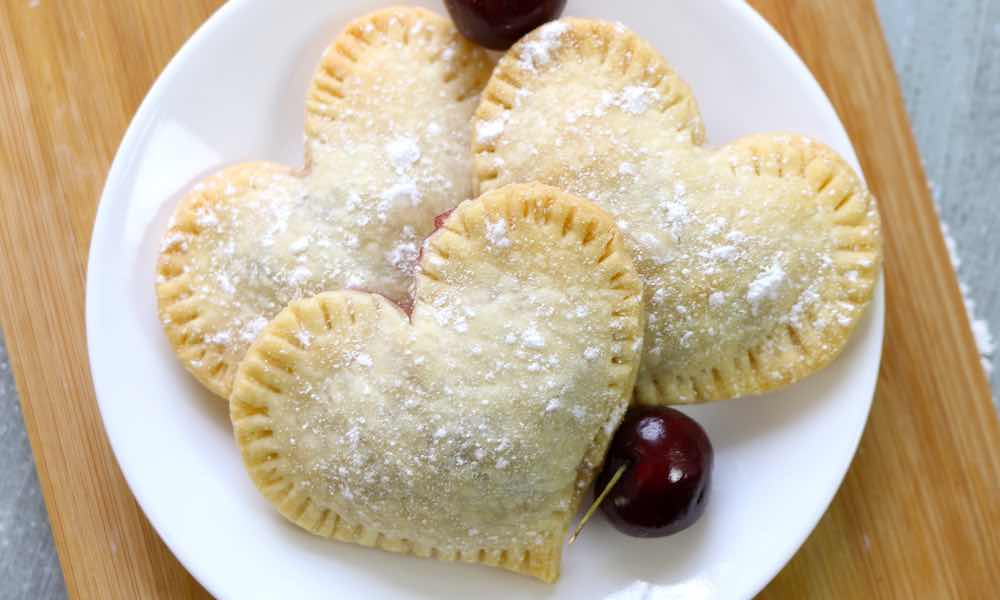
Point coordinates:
[(406, 304), (440, 219)]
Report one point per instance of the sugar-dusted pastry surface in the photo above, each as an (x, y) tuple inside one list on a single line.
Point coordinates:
[(757, 258), (470, 430), (387, 149)]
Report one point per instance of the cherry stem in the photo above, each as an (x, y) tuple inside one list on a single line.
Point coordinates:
[(597, 502)]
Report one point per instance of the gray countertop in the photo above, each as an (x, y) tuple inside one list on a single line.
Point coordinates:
[(947, 53)]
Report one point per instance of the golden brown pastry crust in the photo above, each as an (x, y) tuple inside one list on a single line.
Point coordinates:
[(387, 130), (758, 259), (470, 430)]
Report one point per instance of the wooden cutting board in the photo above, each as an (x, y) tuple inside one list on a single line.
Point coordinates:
[(917, 516)]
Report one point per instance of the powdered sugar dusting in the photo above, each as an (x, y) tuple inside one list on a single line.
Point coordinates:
[(405, 191), (262, 237), (981, 331), (403, 256), (537, 51), (488, 131), (252, 329), (984, 341), (725, 255), (676, 213), (531, 338), (497, 366), (636, 99), (299, 275), (810, 297), (174, 239), (496, 233), (403, 152), (633, 100), (206, 218), (299, 246), (766, 286)]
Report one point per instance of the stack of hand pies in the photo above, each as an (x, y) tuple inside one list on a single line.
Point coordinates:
[(448, 387)]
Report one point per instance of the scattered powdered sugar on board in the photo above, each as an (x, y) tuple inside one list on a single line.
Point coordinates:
[(951, 245), (981, 330), (985, 341)]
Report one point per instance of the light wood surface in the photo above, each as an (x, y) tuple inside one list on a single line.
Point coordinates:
[(67, 93), (919, 512), (918, 515)]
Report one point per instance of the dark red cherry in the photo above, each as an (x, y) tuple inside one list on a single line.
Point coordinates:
[(497, 24), (668, 472)]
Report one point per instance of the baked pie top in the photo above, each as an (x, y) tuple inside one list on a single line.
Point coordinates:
[(387, 134), (469, 429), (757, 258)]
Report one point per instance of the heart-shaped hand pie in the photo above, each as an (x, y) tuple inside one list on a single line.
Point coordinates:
[(470, 431), (387, 134), (757, 259)]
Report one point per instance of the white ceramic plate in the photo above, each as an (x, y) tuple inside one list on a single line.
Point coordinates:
[(235, 92)]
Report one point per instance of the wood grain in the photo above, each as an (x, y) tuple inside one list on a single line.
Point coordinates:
[(68, 95), (917, 516)]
